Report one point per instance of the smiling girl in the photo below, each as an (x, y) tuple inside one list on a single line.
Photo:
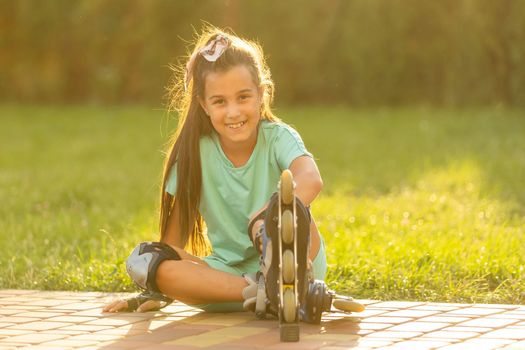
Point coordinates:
[(222, 168)]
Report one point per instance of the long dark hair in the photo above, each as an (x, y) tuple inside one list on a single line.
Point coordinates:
[(183, 149)]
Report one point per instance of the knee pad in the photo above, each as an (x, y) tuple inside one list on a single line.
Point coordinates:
[(144, 260)]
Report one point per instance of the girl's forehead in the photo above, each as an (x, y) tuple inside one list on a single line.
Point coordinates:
[(233, 79)]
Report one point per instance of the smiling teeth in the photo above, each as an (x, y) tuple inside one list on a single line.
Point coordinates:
[(236, 126)]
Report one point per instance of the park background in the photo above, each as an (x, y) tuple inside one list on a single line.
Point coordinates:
[(414, 111)]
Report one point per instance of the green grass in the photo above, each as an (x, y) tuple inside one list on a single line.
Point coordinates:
[(419, 204)]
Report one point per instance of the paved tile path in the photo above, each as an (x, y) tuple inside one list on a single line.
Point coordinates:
[(61, 320)]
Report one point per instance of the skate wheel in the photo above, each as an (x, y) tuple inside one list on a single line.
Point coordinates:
[(287, 226), (289, 307), (287, 187), (288, 267), (348, 305)]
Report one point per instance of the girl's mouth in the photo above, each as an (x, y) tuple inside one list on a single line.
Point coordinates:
[(236, 125)]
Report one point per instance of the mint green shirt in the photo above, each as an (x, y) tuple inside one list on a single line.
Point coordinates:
[(231, 195)]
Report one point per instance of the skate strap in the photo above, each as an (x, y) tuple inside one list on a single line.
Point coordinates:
[(261, 234), (259, 216)]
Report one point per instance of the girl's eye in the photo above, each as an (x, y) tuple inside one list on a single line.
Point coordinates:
[(218, 101), (244, 97)]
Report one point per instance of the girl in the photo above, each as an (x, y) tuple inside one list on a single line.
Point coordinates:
[(222, 168)]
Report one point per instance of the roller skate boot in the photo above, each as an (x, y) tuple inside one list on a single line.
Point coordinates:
[(284, 286), (284, 241), (293, 240)]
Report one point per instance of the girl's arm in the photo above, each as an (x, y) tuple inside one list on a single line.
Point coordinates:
[(172, 235), (307, 179)]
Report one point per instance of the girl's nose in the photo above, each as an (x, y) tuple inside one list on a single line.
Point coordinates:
[(233, 111)]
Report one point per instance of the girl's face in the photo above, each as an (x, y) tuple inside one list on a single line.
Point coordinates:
[(233, 102)]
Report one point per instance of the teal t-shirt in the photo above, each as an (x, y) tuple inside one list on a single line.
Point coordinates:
[(231, 195)]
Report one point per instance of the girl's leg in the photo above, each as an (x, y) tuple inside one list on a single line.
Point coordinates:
[(192, 281)]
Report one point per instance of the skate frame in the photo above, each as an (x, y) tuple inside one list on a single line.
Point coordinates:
[(282, 321)]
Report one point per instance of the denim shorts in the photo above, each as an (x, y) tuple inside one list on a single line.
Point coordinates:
[(318, 265)]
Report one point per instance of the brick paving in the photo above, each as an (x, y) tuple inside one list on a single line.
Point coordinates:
[(67, 320)]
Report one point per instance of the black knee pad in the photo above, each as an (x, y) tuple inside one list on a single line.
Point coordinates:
[(144, 260)]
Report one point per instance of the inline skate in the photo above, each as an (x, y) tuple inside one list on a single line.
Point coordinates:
[(285, 286)]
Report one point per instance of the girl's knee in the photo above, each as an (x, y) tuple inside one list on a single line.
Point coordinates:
[(171, 275), (178, 279)]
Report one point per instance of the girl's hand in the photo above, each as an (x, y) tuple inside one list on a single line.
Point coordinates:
[(121, 305)]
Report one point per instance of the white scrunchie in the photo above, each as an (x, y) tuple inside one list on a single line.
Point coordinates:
[(211, 52)]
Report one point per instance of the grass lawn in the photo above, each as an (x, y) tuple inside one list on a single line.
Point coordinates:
[(419, 204)]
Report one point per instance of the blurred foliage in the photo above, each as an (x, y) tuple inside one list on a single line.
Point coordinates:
[(447, 52)]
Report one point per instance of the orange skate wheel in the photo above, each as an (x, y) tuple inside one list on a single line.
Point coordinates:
[(348, 305)]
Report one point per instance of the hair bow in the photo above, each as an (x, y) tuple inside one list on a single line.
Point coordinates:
[(211, 52)]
